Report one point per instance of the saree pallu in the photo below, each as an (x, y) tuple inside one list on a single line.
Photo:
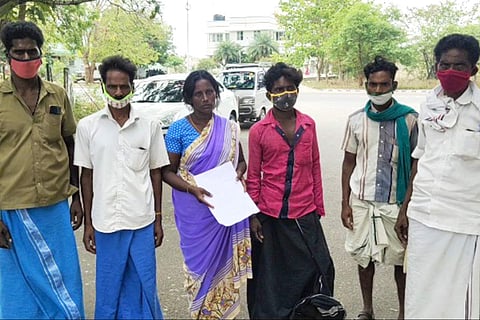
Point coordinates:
[(40, 274), (217, 258)]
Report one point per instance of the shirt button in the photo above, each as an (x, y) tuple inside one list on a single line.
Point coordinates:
[(379, 170), (379, 155), (381, 141)]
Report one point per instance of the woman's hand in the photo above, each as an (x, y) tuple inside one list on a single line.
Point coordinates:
[(200, 194)]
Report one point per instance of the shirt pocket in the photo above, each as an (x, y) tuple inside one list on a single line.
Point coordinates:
[(303, 153), (467, 145), (137, 158), (52, 127)]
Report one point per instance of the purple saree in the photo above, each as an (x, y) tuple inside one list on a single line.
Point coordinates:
[(217, 258)]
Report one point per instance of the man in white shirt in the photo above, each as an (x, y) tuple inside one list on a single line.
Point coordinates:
[(443, 198), (121, 155)]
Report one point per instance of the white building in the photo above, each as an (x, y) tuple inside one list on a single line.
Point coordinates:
[(241, 30)]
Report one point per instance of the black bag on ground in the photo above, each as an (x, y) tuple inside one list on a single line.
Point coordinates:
[(319, 305)]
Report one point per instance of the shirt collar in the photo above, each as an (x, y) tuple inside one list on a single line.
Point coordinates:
[(105, 112), (470, 96), (7, 86), (302, 119)]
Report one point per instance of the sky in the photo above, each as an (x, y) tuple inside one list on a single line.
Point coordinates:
[(201, 11)]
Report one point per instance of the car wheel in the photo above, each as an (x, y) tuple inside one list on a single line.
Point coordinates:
[(233, 116), (262, 115)]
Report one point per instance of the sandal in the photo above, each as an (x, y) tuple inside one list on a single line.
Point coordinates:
[(364, 315)]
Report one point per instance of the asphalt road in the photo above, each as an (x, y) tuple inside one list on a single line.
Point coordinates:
[(330, 109)]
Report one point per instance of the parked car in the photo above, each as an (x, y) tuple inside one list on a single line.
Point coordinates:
[(160, 97), (246, 81)]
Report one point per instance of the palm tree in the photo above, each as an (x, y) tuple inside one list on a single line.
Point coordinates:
[(262, 47), (227, 52)]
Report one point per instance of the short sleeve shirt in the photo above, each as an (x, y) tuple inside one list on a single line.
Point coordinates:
[(34, 163), (374, 177), (121, 159)]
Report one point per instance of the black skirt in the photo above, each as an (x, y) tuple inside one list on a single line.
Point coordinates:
[(283, 268)]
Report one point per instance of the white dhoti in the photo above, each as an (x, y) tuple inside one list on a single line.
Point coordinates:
[(443, 274), (373, 237)]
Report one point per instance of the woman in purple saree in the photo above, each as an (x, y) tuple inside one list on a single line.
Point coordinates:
[(217, 258)]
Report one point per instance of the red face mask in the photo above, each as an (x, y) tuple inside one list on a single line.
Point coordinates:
[(453, 80), (26, 69)]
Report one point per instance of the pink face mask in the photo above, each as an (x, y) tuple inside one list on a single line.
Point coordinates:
[(453, 81), (26, 69)]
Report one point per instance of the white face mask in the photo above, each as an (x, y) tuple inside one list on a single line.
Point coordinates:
[(381, 99), (116, 103)]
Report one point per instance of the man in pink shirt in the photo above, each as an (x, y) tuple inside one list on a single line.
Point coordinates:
[(284, 179)]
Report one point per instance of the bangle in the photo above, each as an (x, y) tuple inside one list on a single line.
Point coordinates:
[(158, 213)]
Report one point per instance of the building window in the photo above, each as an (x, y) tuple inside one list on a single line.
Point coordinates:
[(217, 37), (279, 35), (256, 33), (239, 35), (227, 36)]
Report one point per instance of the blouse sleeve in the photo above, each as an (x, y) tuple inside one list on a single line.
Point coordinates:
[(173, 140)]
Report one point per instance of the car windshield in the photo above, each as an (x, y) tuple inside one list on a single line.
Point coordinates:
[(239, 80), (159, 91)]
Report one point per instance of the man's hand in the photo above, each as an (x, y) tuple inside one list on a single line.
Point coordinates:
[(5, 237), (158, 231), (256, 228), (347, 216), (76, 213), (200, 194), (401, 226), (241, 179), (89, 238)]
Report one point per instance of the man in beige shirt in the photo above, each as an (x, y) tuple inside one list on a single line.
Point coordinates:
[(39, 270)]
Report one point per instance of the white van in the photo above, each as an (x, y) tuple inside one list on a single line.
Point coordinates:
[(246, 81)]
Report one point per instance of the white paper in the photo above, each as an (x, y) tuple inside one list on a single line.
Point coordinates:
[(231, 203)]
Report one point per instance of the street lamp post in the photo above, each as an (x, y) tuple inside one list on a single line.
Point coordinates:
[(187, 7)]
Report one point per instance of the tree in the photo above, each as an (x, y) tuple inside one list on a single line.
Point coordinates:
[(307, 25), (435, 21), (177, 63), (228, 52), (208, 64), (262, 46), (9, 7), (128, 34), (362, 32)]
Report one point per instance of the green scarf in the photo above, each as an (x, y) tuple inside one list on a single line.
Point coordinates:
[(397, 112)]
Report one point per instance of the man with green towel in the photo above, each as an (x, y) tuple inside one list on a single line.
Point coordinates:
[(379, 139)]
